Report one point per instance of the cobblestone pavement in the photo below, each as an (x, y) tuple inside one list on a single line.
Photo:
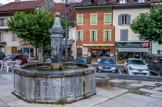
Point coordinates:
[(110, 93)]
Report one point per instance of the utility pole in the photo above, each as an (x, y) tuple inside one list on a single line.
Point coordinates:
[(66, 31)]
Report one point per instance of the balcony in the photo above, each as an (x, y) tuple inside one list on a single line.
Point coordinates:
[(3, 26)]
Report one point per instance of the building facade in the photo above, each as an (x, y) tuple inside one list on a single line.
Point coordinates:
[(128, 44), (10, 44), (94, 31)]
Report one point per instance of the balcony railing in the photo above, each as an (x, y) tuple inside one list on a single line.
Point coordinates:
[(3, 24)]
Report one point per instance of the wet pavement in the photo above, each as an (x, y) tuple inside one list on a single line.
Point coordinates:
[(111, 92)]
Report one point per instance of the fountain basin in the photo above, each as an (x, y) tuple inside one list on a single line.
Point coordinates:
[(53, 86)]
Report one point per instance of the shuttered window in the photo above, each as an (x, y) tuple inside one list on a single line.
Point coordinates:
[(107, 35), (79, 35), (124, 19), (93, 19), (79, 19), (93, 35), (3, 22), (124, 35), (14, 37), (107, 18)]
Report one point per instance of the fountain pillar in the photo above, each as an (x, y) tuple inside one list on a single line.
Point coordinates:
[(56, 43)]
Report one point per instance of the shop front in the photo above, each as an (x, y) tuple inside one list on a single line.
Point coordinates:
[(28, 50), (125, 50), (95, 52)]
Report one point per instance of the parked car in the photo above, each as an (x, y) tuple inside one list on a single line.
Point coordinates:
[(155, 64), (16, 57), (2, 55), (98, 59), (136, 66), (107, 64), (83, 60)]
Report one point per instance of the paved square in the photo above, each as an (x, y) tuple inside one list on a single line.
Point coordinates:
[(118, 96)]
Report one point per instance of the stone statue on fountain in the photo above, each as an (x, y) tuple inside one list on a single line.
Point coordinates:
[(56, 43)]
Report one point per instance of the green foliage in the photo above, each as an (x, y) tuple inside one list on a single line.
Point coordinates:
[(33, 27), (149, 25)]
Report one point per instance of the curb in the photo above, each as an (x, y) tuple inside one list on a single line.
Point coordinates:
[(133, 77)]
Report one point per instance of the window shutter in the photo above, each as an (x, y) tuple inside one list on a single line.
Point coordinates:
[(5, 21), (77, 35), (124, 35), (107, 19), (109, 35), (79, 19), (91, 35), (129, 19), (95, 35), (93, 19), (119, 19), (81, 35), (105, 35)]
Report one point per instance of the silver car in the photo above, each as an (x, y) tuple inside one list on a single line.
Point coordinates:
[(136, 66)]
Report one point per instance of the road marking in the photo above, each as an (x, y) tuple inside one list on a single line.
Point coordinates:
[(120, 72)]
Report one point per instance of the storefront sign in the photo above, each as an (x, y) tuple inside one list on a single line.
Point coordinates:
[(132, 45), (100, 47)]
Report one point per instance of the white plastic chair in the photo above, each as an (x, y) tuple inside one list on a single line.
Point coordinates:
[(7, 65)]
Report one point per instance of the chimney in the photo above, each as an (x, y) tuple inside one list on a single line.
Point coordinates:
[(17, 0)]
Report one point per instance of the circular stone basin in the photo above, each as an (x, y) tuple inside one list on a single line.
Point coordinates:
[(75, 82)]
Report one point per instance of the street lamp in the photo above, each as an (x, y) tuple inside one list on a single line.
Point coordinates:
[(66, 31)]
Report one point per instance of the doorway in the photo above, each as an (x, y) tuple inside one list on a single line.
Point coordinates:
[(79, 52), (14, 50), (94, 55)]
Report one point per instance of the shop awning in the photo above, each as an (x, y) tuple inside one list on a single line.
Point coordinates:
[(98, 44), (133, 50)]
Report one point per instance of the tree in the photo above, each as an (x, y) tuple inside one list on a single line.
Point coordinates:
[(34, 28), (149, 25)]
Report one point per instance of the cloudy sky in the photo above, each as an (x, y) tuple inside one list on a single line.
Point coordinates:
[(7, 1)]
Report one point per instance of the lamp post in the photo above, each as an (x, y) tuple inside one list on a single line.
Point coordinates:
[(66, 31)]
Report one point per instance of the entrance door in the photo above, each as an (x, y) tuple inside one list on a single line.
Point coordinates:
[(14, 50), (26, 52), (137, 55), (31, 53), (94, 55), (79, 52)]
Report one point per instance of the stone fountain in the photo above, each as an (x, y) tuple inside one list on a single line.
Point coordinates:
[(49, 83)]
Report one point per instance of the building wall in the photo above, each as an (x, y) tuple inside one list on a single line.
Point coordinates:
[(86, 27), (86, 45), (7, 37), (156, 47), (73, 34), (134, 13)]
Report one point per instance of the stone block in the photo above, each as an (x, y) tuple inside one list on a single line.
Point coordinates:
[(78, 87), (54, 89), (130, 101), (88, 84), (69, 89), (150, 91), (90, 102), (112, 103), (30, 91), (144, 98), (18, 85)]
